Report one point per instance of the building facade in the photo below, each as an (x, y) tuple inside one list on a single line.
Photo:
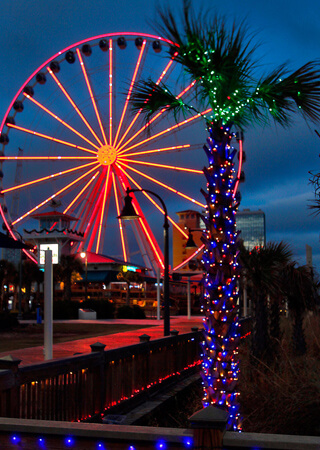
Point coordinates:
[(252, 225)]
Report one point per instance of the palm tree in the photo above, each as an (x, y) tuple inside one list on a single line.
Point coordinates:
[(301, 293), (221, 61), (69, 264), (263, 267)]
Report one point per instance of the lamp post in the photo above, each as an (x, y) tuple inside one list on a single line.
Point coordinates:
[(20, 280), (129, 213), (84, 256)]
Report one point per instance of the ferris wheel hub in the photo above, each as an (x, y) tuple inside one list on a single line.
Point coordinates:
[(107, 155)]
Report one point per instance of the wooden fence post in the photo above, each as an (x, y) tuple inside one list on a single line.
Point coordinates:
[(209, 425), (11, 363)]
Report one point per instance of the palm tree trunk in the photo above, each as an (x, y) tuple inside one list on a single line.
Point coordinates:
[(222, 333)]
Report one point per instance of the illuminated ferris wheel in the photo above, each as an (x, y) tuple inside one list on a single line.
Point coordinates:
[(69, 138)]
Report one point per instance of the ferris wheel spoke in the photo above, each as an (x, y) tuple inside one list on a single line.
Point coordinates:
[(51, 138), (60, 120), (92, 223), (106, 195), (130, 90), (157, 150), (89, 202), (145, 126), (110, 90), (160, 166), (59, 84), (142, 220), (185, 261), (121, 227), (44, 158), (170, 129), (164, 185), (86, 186), (155, 204), (49, 177), (85, 74), (164, 73), (52, 196)]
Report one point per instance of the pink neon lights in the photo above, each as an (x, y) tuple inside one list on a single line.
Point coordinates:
[(180, 124), (91, 94), (161, 166), (110, 90), (51, 197), (155, 204), (164, 149), (165, 186), (80, 193), (102, 210), (74, 105), (60, 120), (54, 175), (51, 138), (189, 258), (61, 52), (130, 90), (124, 251), (165, 71)]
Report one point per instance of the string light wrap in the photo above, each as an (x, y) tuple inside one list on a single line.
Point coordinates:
[(220, 300)]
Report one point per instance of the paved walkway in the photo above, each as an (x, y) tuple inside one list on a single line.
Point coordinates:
[(34, 355)]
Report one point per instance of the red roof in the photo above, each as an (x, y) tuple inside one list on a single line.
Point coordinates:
[(95, 258), (53, 214)]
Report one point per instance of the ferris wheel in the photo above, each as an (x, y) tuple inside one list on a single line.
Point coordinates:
[(70, 138)]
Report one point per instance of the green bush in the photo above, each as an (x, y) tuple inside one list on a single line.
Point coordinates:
[(8, 321), (130, 312), (103, 308)]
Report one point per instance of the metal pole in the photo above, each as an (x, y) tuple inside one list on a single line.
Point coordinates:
[(48, 302), (166, 296), (158, 293), (189, 298), (20, 285), (86, 279)]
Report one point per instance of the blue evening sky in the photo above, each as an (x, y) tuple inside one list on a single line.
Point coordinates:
[(278, 160)]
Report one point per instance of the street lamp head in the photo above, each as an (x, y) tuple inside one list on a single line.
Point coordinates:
[(190, 242), (128, 211)]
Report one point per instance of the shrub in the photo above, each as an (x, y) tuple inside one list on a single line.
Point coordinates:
[(8, 321), (65, 309), (103, 308), (129, 312)]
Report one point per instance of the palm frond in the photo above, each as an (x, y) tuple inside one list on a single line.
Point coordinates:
[(149, 98), (281, 94)]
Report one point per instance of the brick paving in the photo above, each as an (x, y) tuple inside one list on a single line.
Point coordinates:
[(35, 355)]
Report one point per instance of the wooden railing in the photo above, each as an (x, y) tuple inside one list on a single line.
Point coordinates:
[(78, 387)]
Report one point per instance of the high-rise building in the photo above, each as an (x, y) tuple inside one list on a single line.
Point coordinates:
[(252, 225)]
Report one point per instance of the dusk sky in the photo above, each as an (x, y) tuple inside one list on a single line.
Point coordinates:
[(278, 160)]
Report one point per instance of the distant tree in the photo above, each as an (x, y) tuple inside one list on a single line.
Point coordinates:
[(302, 295), (263, 267), (129, 277), (31, 273), (8, 274), (69, 264)]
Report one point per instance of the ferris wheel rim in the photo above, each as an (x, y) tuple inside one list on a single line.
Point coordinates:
[(59, 54)]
